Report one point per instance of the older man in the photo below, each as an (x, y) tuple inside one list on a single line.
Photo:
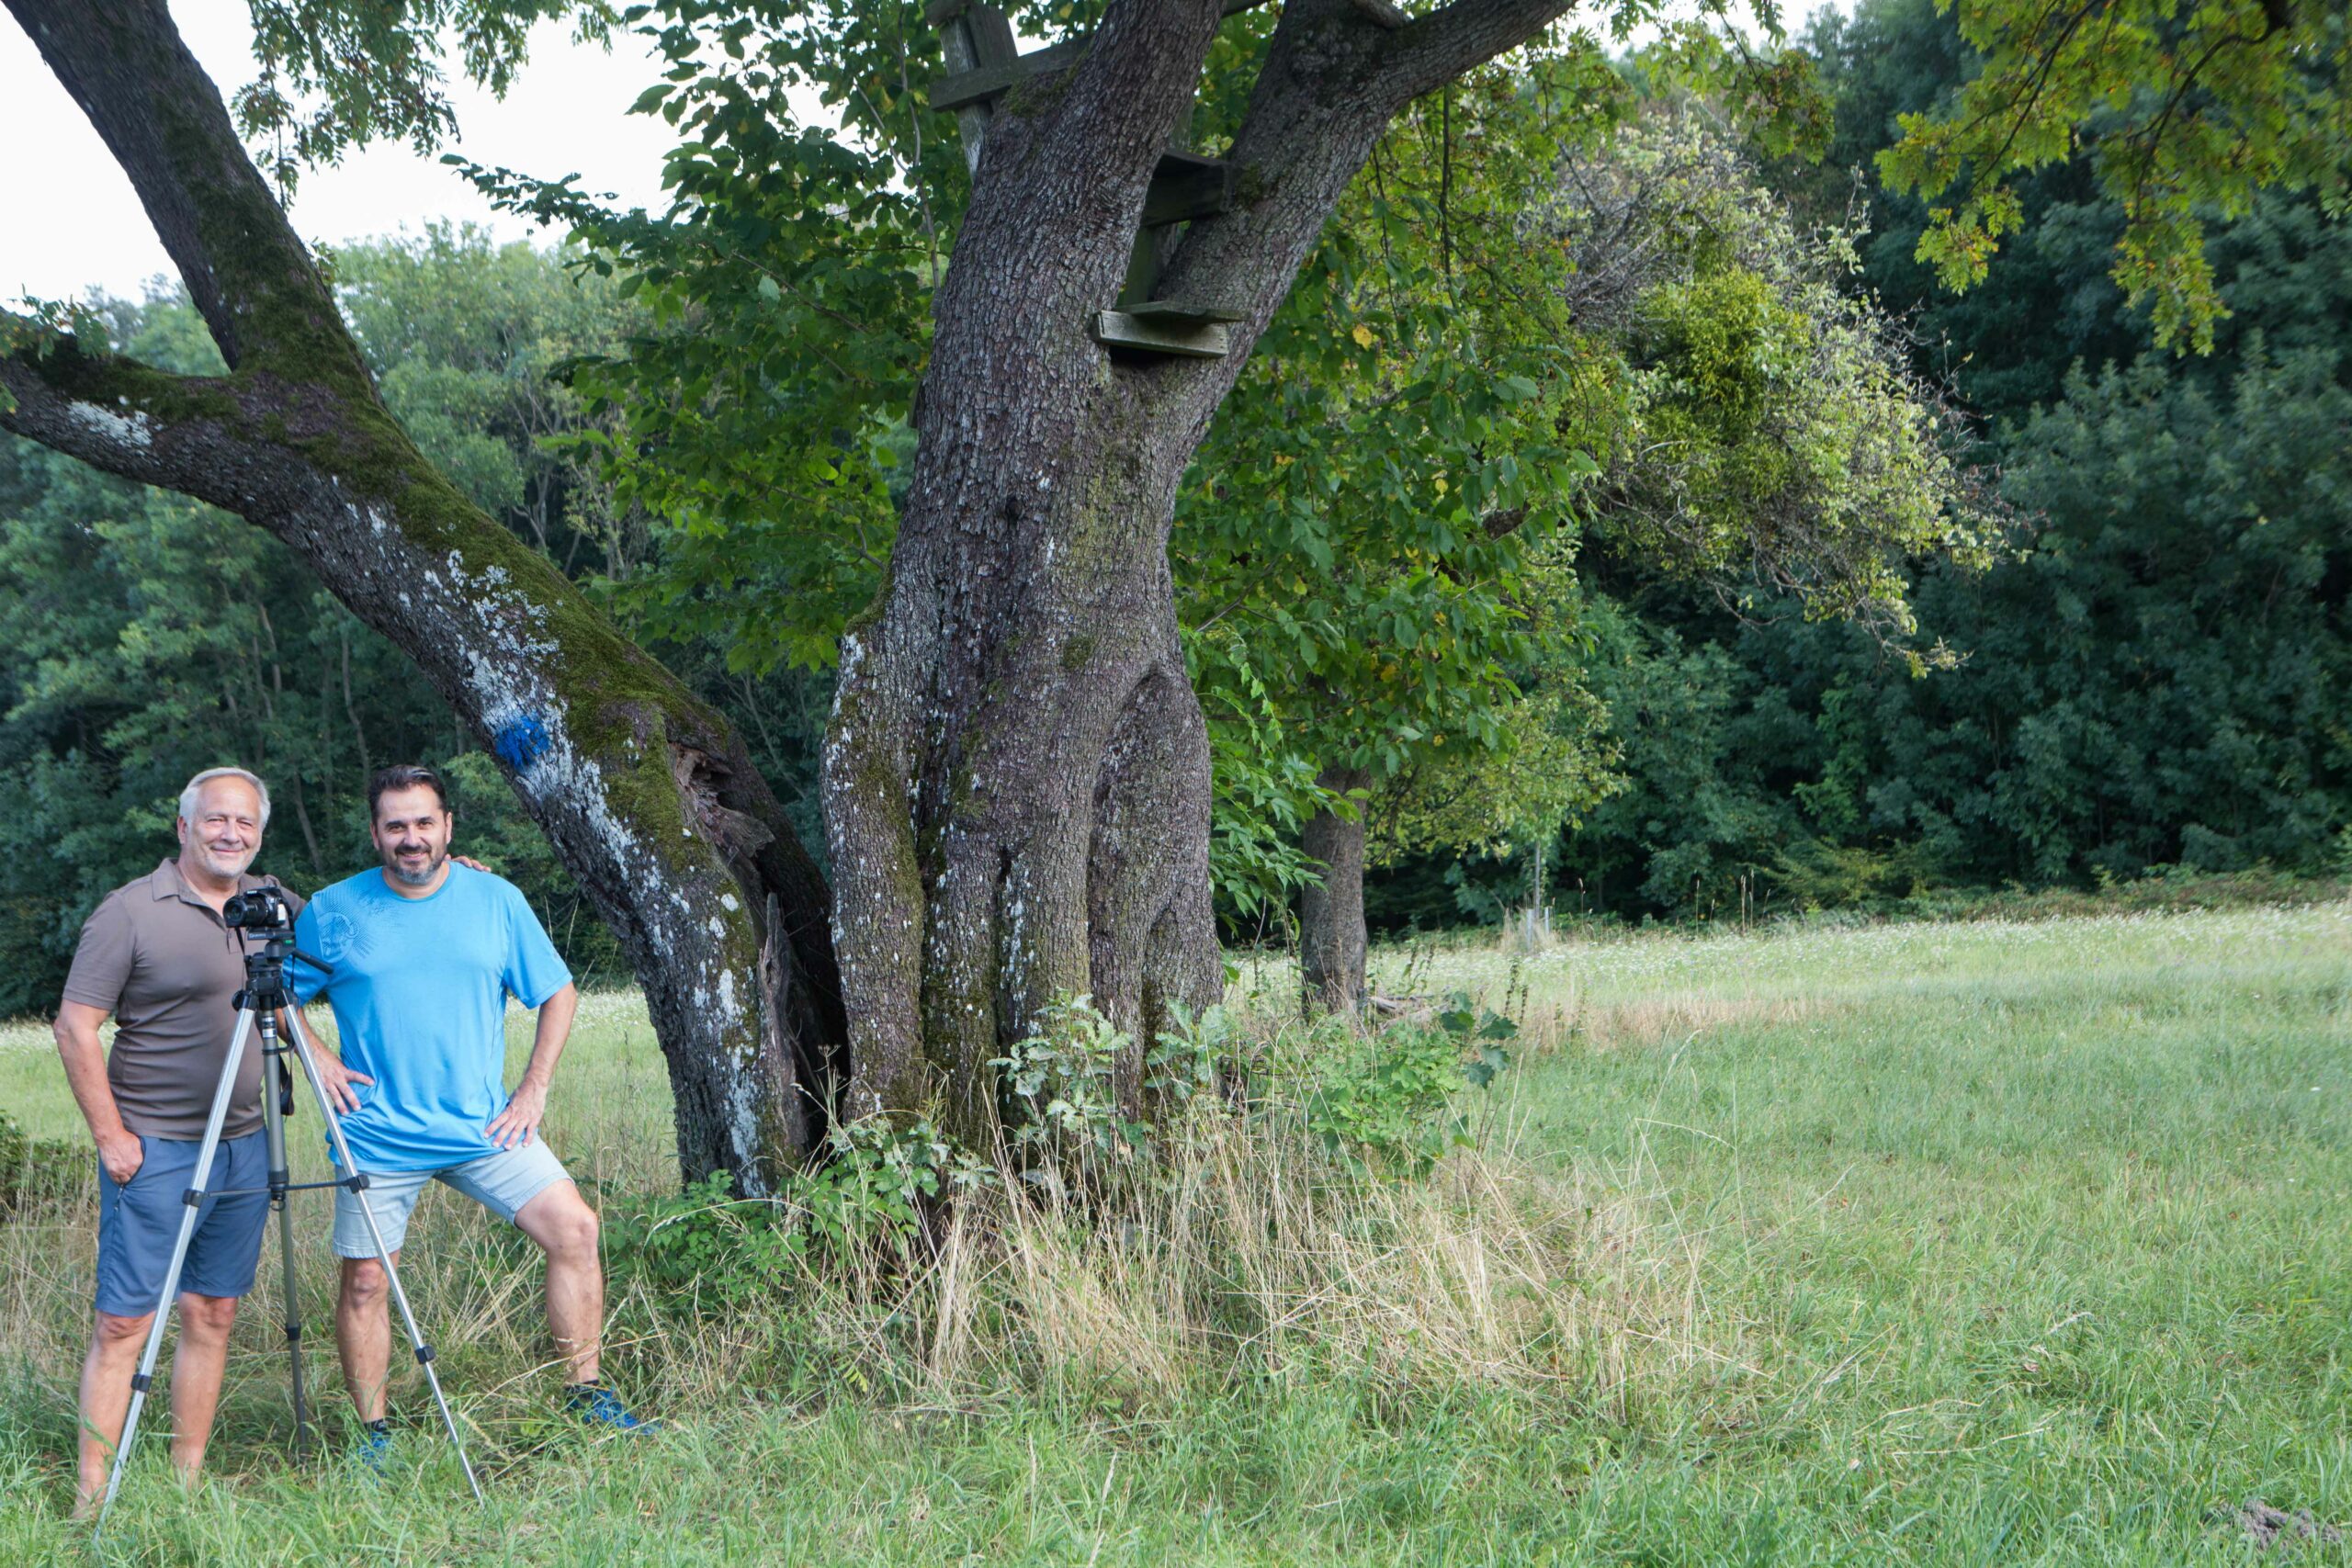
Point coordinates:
[(157, 956)]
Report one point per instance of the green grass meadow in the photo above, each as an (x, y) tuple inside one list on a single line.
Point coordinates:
[(1979, 1243)]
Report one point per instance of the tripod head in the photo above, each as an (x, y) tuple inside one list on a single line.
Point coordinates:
[(262, 915)]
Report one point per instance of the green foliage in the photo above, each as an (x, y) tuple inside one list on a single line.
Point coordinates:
[(2147, 677), (1377, 527), (1390, 1102), (1705, 743), (336, 75), (1763, 423), (757, 419), (2185, 112), (1064, 1126), (860, 1207)]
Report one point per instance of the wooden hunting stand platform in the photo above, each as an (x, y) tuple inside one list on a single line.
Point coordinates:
[(986, 63)]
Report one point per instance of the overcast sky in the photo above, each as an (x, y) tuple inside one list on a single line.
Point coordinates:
[(68, 220)]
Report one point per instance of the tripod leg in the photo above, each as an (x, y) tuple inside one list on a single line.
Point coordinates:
[(276, 1103), (299, 1038), (193, 1199)]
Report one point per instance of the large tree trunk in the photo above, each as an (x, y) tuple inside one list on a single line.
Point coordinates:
[(1016, 779), (1331, 935), (650, 799)]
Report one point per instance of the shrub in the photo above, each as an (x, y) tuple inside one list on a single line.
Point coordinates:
[(1391, 1104)]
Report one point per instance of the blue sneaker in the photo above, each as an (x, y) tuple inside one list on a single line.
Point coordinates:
[(597, 1406), (372, 1453)]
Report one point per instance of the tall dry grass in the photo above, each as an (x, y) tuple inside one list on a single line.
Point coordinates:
[(1250, 1254), (1243, 1252)]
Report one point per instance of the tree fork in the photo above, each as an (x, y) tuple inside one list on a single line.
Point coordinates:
[(1016, 776), (648, 798)]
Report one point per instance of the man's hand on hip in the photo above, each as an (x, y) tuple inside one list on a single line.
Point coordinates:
[(515, 1126), (336, 1081), (122, 1154)]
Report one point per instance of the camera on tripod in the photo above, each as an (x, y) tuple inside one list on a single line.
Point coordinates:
[(257, 910)]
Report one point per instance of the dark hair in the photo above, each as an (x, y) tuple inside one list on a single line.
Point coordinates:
[(405, 775)]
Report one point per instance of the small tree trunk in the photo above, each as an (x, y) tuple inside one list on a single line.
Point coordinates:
[(1331, 935)]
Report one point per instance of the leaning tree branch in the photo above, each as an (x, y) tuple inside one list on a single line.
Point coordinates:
[(116, 414), (1426, 54), (650, 799)]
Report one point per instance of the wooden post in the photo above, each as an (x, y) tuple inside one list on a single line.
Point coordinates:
[(973, 37)]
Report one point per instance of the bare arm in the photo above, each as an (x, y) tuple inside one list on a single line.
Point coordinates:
[(85, 1073), (519, 1123)]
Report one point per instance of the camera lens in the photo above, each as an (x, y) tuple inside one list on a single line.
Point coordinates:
[(256, 907)]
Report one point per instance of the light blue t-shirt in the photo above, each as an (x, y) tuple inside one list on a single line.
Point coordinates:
[(419, 990)]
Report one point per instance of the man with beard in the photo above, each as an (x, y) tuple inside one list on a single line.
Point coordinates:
[(157, 956), (424, 954)]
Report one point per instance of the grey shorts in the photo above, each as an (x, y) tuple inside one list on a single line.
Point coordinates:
[(501, 1182), (140, 1219)]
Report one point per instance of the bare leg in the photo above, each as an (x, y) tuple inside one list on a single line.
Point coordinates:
[(363, 1334), (115, 1344), (564, 1225), (197, 1367)]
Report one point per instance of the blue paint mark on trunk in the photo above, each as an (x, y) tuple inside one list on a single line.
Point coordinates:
[(520, 742)]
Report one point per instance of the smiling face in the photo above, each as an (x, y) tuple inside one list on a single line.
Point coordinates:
[(222, 839), (412, 832)]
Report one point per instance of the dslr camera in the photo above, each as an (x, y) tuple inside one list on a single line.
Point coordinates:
[(257, 910)]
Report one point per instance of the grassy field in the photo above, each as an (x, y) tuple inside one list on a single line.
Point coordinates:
[(1968, 1244)]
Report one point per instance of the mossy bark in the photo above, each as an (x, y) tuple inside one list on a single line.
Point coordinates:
[(1017, 775), (648, 798)]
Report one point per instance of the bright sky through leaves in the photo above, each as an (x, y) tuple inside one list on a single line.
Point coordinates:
[(79, 224)]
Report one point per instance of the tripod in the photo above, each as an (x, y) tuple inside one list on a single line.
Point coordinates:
[(258, 1007)]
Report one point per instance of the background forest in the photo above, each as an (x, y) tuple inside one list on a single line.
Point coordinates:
[(2131, 659)]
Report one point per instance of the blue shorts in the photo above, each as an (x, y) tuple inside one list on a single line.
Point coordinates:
[(140, 1219), (501, 1182)]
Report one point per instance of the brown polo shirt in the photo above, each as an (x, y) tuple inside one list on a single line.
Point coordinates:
[(157, 956)]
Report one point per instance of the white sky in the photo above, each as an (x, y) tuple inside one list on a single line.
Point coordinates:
[(71, 221)]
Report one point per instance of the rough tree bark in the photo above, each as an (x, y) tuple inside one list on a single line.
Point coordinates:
[(650, 799), (1331, 935), (1017, 775)]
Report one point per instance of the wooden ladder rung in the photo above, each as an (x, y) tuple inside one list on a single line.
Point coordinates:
[(967, 87), (1124, 329), (1170, 312)]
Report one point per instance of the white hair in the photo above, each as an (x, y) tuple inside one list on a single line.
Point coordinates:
[(196, 787)]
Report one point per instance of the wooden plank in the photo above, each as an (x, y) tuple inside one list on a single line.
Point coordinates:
[(1186, 185), (958, 47), (1171, 312), (991, 34), (1144, 259), (978, 86), (1117, 329)]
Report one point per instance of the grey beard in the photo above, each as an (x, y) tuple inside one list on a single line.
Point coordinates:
[(418, 878)]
